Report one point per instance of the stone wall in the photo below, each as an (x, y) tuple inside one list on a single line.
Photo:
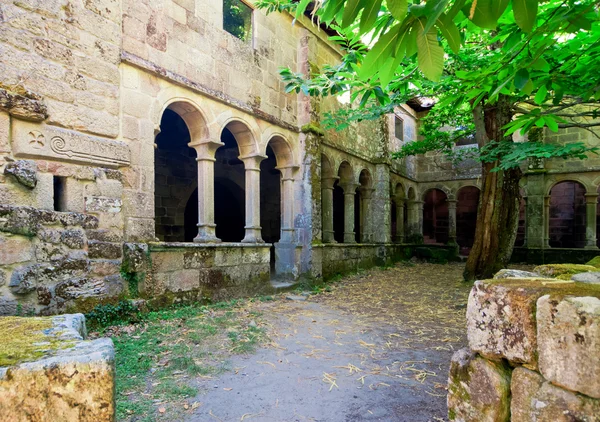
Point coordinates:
[(187, 272), (534, 353)]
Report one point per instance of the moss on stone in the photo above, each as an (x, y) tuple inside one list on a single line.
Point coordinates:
[(555, 270), (24, 340), (552, 286), (312, 128), (594, 262)]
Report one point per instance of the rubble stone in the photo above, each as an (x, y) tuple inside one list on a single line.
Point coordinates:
[(25, 171)]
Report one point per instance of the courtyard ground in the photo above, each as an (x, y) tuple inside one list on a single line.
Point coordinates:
[(374, 346)]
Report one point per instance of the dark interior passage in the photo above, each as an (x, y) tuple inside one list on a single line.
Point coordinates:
[(357, 216), (270, 198), (466, 218), (567, 215), (435, 217), (338, 213), (522, 228), (176, 178), (229, 190)]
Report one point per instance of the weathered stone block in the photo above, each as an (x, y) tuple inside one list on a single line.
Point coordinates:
[(104, 250), (536, 400), (569, 342), (199, 258), (24, 279), (523, 387), (478, 390), (589, 278), (96, 204), (24, 171), (135, 257), (73, 238), (15, 249), (184, 281), (227, 256), (501, 322), (167, 261), (73, 379)]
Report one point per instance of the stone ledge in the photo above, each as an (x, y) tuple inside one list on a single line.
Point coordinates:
[(72, 380), (161, 246)]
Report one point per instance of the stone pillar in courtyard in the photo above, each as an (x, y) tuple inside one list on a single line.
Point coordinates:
[(205, 156), (252, 173), (415, 221), (327, 184), (399, 235), (366, 221), (287, 204), (451, 221), (349, 193), (546, 222), (381, 207), (591, 203), (535, 220)]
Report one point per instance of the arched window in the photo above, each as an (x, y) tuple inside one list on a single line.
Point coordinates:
[(435, 217), (466, 218), (567, 215)]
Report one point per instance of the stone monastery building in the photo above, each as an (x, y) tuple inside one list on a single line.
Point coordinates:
[(148, 149)]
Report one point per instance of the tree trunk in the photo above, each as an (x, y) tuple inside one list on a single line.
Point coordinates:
[(498, 212)]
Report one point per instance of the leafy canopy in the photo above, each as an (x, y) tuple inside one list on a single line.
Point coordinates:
[(543, 56)]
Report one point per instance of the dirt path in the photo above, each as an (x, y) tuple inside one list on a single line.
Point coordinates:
[(375, 348)]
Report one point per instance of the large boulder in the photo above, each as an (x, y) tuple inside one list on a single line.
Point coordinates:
[(590, 278), (478, 390), (569, 342), (49, 372), (534, 399)]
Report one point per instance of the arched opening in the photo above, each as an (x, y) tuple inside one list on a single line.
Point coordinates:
[(435, 217), (522, 228), (229, 190), (567, 215), (466, 218), (175, 172)]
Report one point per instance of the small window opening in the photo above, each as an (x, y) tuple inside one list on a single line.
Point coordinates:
[(237, 19), (399, 128), (60, 200)]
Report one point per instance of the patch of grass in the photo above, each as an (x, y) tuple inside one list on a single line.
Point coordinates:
[(158, 357)]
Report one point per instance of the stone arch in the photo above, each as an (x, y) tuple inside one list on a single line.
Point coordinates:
[(567, 215), (245, 135), (435, 216), (282, 149), (466, 216), (345, 172), (412, 196), (181, 126), (192, 115), (570, 178), (443, 188), (327, 166)]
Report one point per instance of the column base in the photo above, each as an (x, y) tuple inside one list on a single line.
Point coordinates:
[(328, 237), (206, 234), (287, 236), (350, 237), (590, 247), (253, 235)]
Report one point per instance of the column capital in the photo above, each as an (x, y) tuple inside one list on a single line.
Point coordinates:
[(451, 203), (349, 188), (329, 181), (398, 200), (252, 162), (287, 172), (206, 148), (591, 198), (366, 192)]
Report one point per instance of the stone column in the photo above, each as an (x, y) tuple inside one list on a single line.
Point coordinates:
[(205, 156), (399, 235), (327, 184), (287, 204), (591, 202), (349, 192), (415, 219), (252, 168), (451, 221), (546, 220), (366, 234), (535, 215)]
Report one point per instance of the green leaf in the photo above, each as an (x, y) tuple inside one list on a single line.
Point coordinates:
[(430, 55), (479, 12), (521, 78), (541, 95), (302, 8), (458, 4), (382, 49), (351, 11), (450, 32), (331, 8), (398, 8), (369, 15), (434, 9), (528, 88), (497, 7), (525, 12), (551, 123)]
